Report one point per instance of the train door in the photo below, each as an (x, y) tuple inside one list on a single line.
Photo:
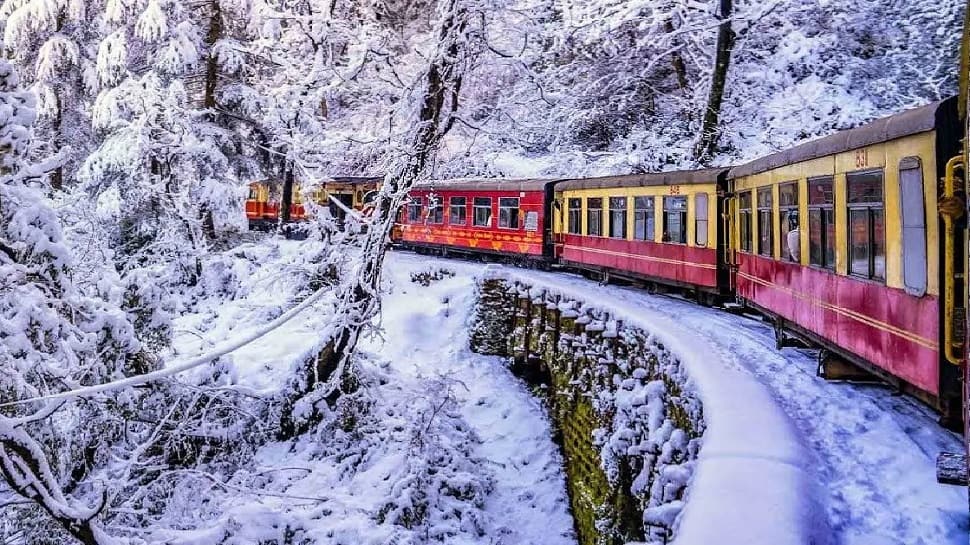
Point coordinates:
[(725, 280), (950, 469)]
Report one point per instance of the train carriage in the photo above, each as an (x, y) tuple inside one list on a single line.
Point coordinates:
[(264, 201), (662, 228), (500, 217), (839, 241)]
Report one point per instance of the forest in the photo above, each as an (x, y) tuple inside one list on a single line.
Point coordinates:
[(130, 130)]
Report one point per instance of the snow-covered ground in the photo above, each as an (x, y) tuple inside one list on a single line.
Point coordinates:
[(872, 453), (440, 418), (869, 453)]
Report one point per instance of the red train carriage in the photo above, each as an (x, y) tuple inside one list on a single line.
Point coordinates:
[(501, 217), (663, 228), (839, 241)]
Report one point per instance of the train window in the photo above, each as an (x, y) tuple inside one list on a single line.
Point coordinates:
[(765, 224), (643, 218), (744, 220), (618, 217), (508, 212), (254, 193), (482, 212), (414, 210), (594, 217), (575, 216), (456, 211), (700, 219), (436, 210), (821, 222), (675, 220), (788, 218), (867, 225), (914, 225)]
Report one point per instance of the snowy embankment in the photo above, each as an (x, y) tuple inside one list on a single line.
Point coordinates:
[(441, 446), (752, 484), (788, 457)]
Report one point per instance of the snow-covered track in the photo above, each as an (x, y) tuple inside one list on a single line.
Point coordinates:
[(794, 457)]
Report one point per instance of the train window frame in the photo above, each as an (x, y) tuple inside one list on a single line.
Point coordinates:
[(461, 209), (821, 214), (912, 219), (436, 210), (618, 211), (414, 209), (745, 221), (594, 212), (786, 207), (766, 228), (508, 213), (482, 204), (645, 206), (870, 209), (701, 218), (680, 213), (574, 216)]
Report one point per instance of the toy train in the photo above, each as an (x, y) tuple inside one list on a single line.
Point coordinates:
[(856, 243), (264, 202), (838, 242)]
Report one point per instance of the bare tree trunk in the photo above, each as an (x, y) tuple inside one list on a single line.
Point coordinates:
[(677, 60), (330, 372), (286, 200), (722, 61), (212, 65)]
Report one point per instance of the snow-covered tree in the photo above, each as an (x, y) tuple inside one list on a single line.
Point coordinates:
[(53, 43), (52, 337)]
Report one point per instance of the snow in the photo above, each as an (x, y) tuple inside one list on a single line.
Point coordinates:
[(787, 456), (435, 406), (426, 334), (752, 462)]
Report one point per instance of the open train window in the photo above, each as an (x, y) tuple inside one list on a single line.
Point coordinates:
[(765, 224), (867, 224), (643, 218), (436, 210), (456, 211), (700, 219), (618, 217), (821, 222), (913, 212), (744, 220), (594, 217), (482, 212), (575, 216), (414, 210), (675, 220), (789, 221), (508, 212)]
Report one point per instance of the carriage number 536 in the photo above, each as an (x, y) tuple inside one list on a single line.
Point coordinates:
[(861, 158), (675, 190)]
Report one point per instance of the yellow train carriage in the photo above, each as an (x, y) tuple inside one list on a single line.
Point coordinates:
[(838, 240), (661, 228)]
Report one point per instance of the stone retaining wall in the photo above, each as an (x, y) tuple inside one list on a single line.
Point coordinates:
[(623, 409)]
